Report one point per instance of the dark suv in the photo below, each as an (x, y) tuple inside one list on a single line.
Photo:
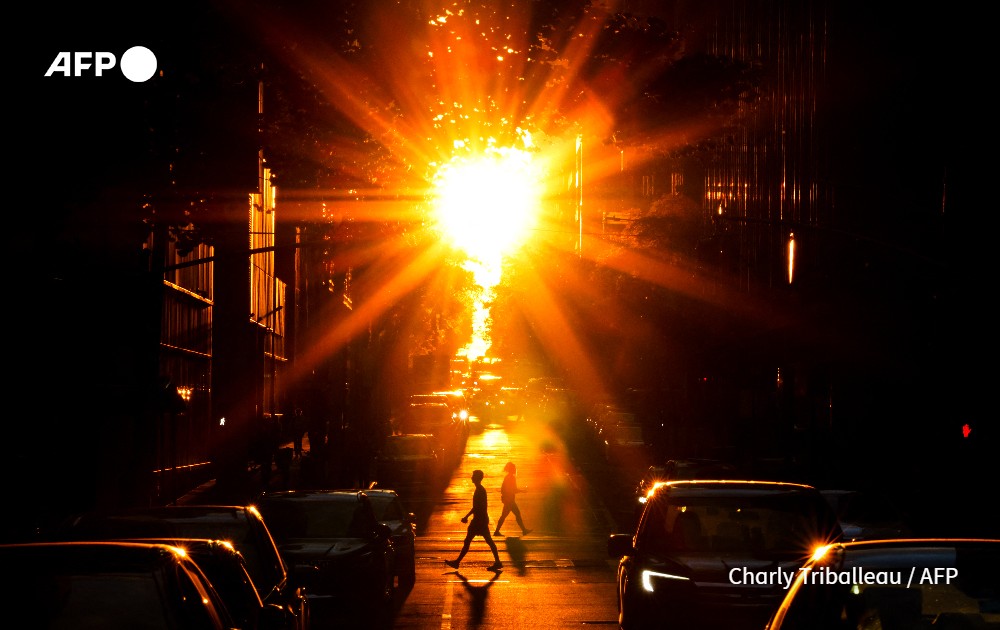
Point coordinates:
[(717, 554)]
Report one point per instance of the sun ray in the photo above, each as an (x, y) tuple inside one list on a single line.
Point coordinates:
[(459, 90)]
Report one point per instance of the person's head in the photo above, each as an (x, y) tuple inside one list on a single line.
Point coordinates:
[(510, 468), (477, 477)]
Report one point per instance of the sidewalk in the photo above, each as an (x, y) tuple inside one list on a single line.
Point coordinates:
[(243, 490), (299, 472)]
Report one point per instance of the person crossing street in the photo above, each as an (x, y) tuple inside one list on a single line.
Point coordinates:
[(480, 525), (508, 497)]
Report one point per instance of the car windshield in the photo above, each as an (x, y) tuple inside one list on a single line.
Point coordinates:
[(309, 518), (777, 526), (387, 507)]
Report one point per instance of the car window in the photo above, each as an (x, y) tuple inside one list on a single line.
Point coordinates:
[(761, 525), (387, 508), (198, 602), (234, 585), (112, 600)]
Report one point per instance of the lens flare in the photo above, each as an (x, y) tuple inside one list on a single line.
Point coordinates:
[(486, 206)]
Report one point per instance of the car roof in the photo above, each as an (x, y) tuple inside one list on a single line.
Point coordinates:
[(903, 545), (98, 556), (731, 487), (316, 495)]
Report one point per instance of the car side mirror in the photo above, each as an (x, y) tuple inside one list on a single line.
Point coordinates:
[(383, 531), (620, 545), (411, 518)]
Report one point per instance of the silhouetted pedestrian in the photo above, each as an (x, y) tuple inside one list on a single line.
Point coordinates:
[(480, 525), (508, 494)]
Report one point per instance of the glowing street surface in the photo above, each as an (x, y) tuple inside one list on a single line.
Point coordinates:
[(557, 576)]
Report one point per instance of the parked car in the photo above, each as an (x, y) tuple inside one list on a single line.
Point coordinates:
[(334, 543), (390, 511), (226, 569), (408, 461), (242, 526), (108, 585), (687, 562), (946, 584), (866, 515)]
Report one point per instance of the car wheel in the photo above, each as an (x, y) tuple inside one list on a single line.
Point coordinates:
[(630, 615), (389, 588), (408, 576)]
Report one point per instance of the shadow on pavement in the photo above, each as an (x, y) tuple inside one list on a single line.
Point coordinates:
[(518, 553), (477, 590)]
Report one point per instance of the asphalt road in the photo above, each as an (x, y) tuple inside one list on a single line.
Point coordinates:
[(558, 576)]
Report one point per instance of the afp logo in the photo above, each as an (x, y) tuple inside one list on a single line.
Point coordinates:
[(138, 64)]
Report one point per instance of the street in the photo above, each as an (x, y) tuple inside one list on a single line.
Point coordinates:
[(557, 576)]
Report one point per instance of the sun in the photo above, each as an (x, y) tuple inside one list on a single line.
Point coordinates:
[(488, 205)]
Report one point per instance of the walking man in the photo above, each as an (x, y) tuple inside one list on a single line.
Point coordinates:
[(508, 492), (480, 525)]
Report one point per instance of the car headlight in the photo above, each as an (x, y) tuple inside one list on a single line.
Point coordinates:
[(648, 578)]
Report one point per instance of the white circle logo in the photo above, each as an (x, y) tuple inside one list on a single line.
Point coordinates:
[(138, 64)]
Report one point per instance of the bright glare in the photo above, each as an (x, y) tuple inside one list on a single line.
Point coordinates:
[(488, 205), (819, 552)]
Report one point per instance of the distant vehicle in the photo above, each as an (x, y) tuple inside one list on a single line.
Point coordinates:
[(242, 526), (686, 564), (866, 515), (435, 419), (408, 461), (458, 402), (429, 399), (114, 585), (337, 548), (390, 511), (606, 414), (947, 584), (510, 403), (625, 443)]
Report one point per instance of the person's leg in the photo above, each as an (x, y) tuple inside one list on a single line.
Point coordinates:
[(465, 545), (493, 547), (517, 517), (503, 517)]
